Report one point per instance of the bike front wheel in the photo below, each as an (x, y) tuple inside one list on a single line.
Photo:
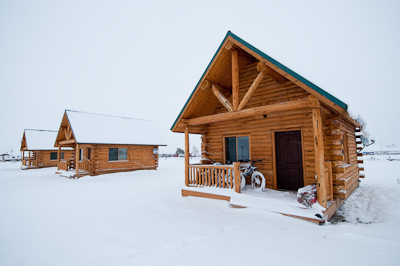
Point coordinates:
[(243, 181), (257, 180)]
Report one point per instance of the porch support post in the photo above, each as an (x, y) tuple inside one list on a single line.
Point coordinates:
[(319, 150), (23, 157), (186, 154), (58, 158), (236, 173), (77, 158), (29, 158), (235, 79)]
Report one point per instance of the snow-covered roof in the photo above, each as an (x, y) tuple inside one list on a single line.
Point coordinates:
[(40, 139), (107, 129)]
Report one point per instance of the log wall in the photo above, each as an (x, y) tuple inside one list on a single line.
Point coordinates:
[(341, 150), (139, 157), (43, 157), (261, 131)]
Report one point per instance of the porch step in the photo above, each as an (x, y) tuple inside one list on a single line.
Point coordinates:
[(186, 193)]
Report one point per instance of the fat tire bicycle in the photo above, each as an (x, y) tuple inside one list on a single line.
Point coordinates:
[(257, 178)]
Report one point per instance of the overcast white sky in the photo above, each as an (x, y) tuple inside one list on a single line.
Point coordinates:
[(142, 59)]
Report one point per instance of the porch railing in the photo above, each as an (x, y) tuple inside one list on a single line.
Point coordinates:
[(212, 175), (63, 165), (84, 166)]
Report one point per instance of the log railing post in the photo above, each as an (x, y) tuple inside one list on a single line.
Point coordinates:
[(58, 158), (77, 158), (319, 150), (186, 155), (236, 173)]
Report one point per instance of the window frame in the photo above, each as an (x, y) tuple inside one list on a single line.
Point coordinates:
[(56, 153), (118, 153), (346, 148), (236, 136)]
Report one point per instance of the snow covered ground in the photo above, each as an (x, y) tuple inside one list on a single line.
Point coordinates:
[(140, 218)]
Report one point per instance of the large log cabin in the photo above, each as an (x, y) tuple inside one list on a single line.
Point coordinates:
[(37, 147), (107, 144), (247, 105)]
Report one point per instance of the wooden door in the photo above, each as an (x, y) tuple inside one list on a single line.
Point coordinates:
[(289, 160)]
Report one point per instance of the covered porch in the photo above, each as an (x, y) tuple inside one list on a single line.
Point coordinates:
[(31, 159), (227, 176), (80, 161)]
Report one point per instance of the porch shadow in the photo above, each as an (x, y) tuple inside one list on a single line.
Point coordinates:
[(282, 202)]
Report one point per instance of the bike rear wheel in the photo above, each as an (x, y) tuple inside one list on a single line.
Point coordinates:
[(257, 180)]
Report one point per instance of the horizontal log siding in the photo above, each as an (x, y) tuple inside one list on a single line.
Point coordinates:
[(139, 157), (43, 157), (260, 129), (343, 182)]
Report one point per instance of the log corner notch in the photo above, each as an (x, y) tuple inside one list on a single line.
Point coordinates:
[(217, 91), (314, 104)]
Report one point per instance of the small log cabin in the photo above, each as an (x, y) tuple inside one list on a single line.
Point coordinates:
[(107, 144), (247, 105), (37, 147)]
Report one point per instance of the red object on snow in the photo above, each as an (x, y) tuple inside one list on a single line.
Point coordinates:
[(307, 195)]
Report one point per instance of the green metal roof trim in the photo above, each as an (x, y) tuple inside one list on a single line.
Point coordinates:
[(273, 61)]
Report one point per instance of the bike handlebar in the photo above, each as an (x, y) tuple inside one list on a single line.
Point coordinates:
[(255, 161)]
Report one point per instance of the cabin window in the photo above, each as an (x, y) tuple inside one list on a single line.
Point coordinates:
[(122, 154), (89, 154), (53, 156), (115, 154), (346, 149), (80, 154), (62, 156), (237, 149)]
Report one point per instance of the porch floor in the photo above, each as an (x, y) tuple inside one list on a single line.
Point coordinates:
[(71, 174), (283, 202)]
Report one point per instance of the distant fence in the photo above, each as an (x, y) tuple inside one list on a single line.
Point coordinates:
[(381, 153)]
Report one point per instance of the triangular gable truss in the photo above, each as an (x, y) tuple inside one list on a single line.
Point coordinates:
[(24, 144), (65, 136), (223, 86)]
